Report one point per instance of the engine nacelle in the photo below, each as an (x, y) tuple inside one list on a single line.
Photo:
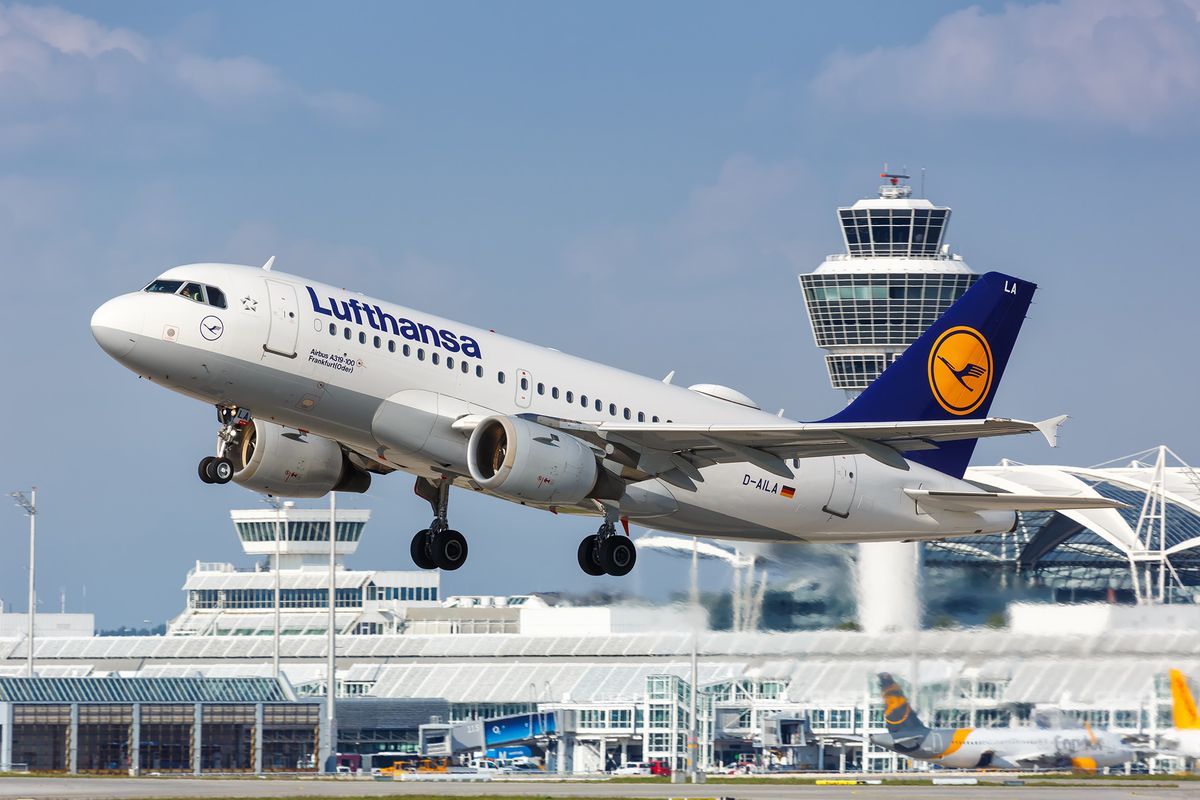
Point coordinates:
[(285, 462), (522, 460)]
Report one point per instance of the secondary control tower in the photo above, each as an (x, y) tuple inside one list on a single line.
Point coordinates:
[(866, 305)]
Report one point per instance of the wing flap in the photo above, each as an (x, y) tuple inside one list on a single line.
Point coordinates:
[(1002, 501)]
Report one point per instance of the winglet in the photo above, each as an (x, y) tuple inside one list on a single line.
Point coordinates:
[(670, 377), (270, 263), (1049, 428)]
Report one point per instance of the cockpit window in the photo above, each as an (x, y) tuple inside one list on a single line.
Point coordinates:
[(215, 297), (165, 287), (193, 291)]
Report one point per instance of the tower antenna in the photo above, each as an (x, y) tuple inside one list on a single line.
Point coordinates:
[(923, 183)]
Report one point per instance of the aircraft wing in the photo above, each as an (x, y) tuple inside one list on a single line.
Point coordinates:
[(657, 447), (1003, 501)]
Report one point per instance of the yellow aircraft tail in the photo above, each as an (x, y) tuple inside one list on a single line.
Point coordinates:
[(1183, 704)]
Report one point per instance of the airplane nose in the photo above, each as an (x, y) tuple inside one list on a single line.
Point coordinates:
[(113, 326)]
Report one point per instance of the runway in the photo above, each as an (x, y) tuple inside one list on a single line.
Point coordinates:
[(16, 788)]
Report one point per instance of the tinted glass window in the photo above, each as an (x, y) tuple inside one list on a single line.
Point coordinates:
[(449, 362), (641, 416), (407, 351), (466, 367), (570, 396), (362, 338), (583, 400), (541, 388), (378, 342), (554, 392), (346, 332), (433, 357), (420, 354), (215, 297), (612, 409), (332, 329), (627, 413), (166, 287), (193, 291), (599, 406), (391, 346), (524, 383), (478, 371), (500, 377)]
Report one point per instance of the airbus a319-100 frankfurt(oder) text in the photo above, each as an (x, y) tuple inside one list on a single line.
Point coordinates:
[(317, 388)]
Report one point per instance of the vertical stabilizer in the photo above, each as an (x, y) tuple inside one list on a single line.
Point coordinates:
[(1183, 705), (902, 722), (951, 371)]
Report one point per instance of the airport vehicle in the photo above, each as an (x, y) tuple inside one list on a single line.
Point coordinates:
[(1183, 738), (633, 768), (317, 388), (1083, 749), (489, 766)]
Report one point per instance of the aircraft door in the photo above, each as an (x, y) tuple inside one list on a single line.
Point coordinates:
[(841, 494), (524, 388), (285, 322)]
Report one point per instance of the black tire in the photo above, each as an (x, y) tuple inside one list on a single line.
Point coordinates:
[(587, 556), (618, 555), (220, 470), (203, 468), (449, 550), (419, 550)]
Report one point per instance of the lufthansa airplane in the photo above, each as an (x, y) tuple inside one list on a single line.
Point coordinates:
[(317, 388), (1082, 749)]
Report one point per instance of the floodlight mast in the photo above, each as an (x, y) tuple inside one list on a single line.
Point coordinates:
[(331, 664), (279, 508), (30, 506)]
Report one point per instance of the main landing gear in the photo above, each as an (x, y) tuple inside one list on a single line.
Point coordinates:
[(437, 547), (218, 468), (607, 552)]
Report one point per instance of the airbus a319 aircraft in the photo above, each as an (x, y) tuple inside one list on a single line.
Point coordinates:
[(317, 388), (1081, 748)]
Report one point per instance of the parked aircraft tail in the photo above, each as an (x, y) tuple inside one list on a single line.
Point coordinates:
[(902, 722), (1183, 705), (953, 370)]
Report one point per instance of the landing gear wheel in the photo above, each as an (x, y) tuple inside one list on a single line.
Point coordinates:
[(419, 550), (617, 555), (220, 470), (203, 468), (449, 549), (587, 556)]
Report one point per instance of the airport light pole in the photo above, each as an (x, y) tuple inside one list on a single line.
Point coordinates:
[(331, 660), (30, 505), (279, 508)]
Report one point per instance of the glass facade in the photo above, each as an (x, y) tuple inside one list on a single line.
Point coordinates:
[(894, 232), (349, 597), (298, 531)]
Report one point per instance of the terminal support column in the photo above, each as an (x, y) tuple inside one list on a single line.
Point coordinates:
[(197, 737), (6, 737), (73, 741), (258, 738), (135, 741)]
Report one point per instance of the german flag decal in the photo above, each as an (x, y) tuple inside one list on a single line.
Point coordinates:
[(787, 491)]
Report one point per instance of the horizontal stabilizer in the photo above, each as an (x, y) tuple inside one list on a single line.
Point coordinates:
[(1004, 501)]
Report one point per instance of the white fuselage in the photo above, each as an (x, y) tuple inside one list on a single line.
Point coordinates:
[(388, 382), (1180, 742), (1020, 748)]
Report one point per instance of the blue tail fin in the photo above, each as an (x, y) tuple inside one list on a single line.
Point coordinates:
[(953, 370)]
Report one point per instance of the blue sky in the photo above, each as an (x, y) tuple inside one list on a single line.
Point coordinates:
[(636, 183)]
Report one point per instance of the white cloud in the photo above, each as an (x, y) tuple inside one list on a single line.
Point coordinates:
[(53, 60), (1132, 65)]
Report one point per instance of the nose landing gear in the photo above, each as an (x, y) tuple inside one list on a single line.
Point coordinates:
[(219, 469), (437, 547)]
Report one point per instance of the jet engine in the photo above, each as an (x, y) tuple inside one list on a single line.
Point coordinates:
[(272, 459), (524, 461)]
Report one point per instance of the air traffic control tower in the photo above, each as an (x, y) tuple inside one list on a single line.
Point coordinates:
[(866, 305)]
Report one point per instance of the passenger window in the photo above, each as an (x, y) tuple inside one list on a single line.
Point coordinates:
[(449, 362), (347, 333), (391, 345), (554, 392), (525, 384), (583, 400), (627, 413), (500, 377), (362, 338), (420, 354), (570, 396), (641, 416), (378, 342), (215, 296), (163, 287), (465, 367), (433, 357), (407, 351), (654, 418), (478, 370), (599, 405), (193, 292), (541, 388), (332, 329), (612, 409)]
